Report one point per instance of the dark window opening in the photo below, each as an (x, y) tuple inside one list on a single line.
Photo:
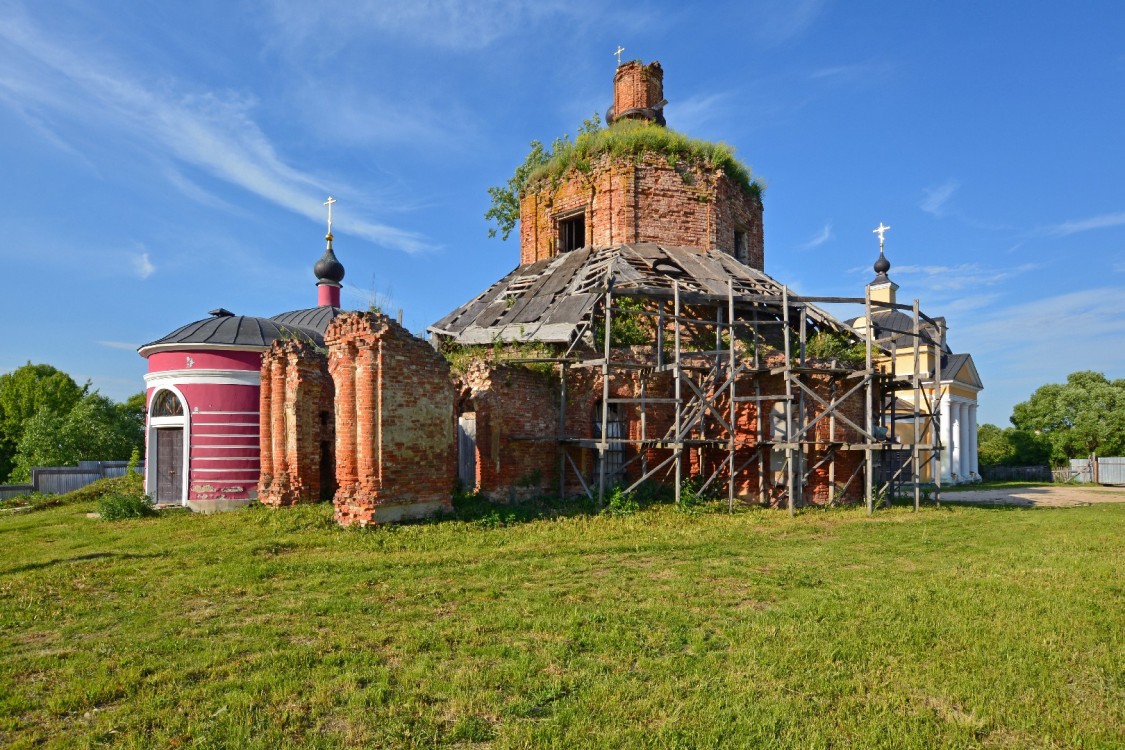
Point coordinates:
[(741, 252), (572, 232)]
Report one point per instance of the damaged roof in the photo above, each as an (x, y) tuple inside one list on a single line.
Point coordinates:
[(550, 300)]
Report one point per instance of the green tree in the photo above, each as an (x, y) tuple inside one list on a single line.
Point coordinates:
[(505, 206), (25, 392), (1083, 417), (96, 428), (1011, 447)]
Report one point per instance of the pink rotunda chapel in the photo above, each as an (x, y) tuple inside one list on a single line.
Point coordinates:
[(203, 385)]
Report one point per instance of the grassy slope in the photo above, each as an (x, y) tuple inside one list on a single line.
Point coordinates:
[(950, 628)]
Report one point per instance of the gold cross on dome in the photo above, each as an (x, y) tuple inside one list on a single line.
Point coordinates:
[(329, 203), (620, 49), (880, 230)]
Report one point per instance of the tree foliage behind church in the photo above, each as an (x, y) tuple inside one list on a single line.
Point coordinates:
[(1082, 417), (47, 419)]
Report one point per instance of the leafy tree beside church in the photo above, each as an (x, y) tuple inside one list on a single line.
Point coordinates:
[(47, 419), (1083, 417)]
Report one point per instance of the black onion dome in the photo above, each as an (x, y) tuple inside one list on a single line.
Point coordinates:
[(328, 268), (231, 332), (882, 265)]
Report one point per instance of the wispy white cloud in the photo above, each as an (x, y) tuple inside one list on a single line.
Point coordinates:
[(448, 24), (122, 345), (852, 72), (1102, 221), (778, 21), (818, 239), (693, 113), (936, 198), (1042, 340), (141, 265), (214, 132), (956, 277)]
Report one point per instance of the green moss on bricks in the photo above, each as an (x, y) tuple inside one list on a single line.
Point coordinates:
[(632, 139)]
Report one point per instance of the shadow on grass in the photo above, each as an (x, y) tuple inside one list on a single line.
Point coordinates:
[(79, 558)]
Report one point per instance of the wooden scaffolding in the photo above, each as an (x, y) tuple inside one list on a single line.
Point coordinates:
[(706, 393)]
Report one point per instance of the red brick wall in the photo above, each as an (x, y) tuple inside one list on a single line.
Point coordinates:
[(637, 86), (646, 200), (513, 404), (394, 421), (296, 391)]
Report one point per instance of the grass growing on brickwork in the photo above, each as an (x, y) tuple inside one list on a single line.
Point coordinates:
[(551, 626), (633, 139), (624, 139)]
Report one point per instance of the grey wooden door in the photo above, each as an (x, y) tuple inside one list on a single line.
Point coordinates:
[(169, 465)]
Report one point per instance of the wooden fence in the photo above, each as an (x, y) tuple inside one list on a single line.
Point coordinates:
[(55, 480), (1109, 470), (1016, 473)]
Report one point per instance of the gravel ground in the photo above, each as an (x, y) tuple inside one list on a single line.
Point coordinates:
[(1047, 496)]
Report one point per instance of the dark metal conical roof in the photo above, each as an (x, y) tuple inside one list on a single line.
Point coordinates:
[(231, 332)]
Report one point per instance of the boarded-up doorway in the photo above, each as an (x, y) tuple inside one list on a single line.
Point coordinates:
[(467, 451), (170, 465)]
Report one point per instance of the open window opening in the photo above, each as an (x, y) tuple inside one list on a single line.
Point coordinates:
[(572, 232), (741, 248)]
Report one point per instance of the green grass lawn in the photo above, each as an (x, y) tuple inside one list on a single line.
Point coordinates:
[(958, 627)]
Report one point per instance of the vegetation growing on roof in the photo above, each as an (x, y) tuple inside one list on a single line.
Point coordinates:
[(829, 345), (623, 139)]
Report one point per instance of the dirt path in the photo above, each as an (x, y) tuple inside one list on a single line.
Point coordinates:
[(1046, 496)]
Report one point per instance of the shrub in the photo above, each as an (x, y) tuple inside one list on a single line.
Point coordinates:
[(117, 507), (621, 503)]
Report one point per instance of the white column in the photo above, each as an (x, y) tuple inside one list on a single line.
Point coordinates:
[(946, 440), (955, 440), (974, 467), (966, 443)]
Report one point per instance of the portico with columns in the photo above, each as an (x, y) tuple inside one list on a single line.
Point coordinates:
[(959, 432)]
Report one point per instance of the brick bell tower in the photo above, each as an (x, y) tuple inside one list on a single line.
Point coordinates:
[(658, 195), (638, 93)]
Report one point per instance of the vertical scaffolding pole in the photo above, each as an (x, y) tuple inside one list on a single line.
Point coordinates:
[(733, 393), (916, 386), (936, 419), (800, 452), (605, 399), (562, 430), (791, 490), (644, 424), (760, 418), (831, 441), (677, 447), (869, 463)]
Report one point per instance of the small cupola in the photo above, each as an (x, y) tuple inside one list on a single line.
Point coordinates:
[(882, 288), (638, 93), (328, 270)]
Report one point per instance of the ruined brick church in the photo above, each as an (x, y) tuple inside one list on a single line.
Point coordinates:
[(638, 342)]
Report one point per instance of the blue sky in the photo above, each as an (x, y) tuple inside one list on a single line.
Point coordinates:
[(158, 160)]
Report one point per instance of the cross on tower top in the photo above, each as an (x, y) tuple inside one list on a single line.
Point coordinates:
[(620, 49), (880, 230), (329, 203)]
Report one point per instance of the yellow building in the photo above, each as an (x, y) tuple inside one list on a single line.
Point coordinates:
[(951, 382)]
